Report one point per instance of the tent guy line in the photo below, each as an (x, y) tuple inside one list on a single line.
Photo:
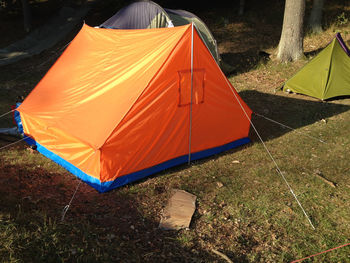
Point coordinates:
[(285, 126), (65, 209), (12, 143), (6, 113), (272, 158), (328, 250)]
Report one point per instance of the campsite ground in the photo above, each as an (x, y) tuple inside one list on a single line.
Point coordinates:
[(244, 208)]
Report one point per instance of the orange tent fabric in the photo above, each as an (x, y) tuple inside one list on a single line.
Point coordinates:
[(119, 105)]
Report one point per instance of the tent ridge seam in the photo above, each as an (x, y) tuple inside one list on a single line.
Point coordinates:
[(325, 90)]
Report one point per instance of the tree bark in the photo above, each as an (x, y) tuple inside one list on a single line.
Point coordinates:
[(27, 16), (241, 7), (290, 47), (315, 20)]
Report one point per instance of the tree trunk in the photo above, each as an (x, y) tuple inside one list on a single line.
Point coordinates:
[(27, 16), (241, 7), (290, 47), (315, 21)]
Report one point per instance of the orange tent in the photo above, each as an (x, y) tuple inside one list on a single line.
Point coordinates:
[(119, 105)]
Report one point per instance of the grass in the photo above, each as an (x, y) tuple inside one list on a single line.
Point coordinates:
[(244, 208)]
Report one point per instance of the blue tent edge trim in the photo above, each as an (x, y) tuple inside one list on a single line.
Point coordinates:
[(126, 179), (123, 180)]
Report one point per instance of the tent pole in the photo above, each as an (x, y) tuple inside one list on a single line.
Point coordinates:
[(190, 128)]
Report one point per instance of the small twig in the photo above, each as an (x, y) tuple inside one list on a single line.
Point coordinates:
[(319, 175), (222, 255)]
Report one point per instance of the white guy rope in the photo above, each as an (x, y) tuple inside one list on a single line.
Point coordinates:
[(65, 209), (8, 145), (271, 157), (6, 113), (285, 126)]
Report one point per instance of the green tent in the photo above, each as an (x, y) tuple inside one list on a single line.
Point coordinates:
[(325, 76)]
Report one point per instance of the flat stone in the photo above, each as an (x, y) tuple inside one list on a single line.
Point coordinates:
[(179, 210)]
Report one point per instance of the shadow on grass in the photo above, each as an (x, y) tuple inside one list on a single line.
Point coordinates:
[(293, 112), (118, 226)]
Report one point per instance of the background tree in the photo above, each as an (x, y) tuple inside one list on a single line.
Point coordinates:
[(27, 15), (315, 20), (18, 7), (241, 7), (290, 47)]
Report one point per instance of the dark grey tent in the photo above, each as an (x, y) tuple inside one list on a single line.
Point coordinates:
[(147, 14), (139, 15)]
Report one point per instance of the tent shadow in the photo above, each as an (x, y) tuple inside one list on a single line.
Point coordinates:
[(313, 53), (296, 112), (115, 225)]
